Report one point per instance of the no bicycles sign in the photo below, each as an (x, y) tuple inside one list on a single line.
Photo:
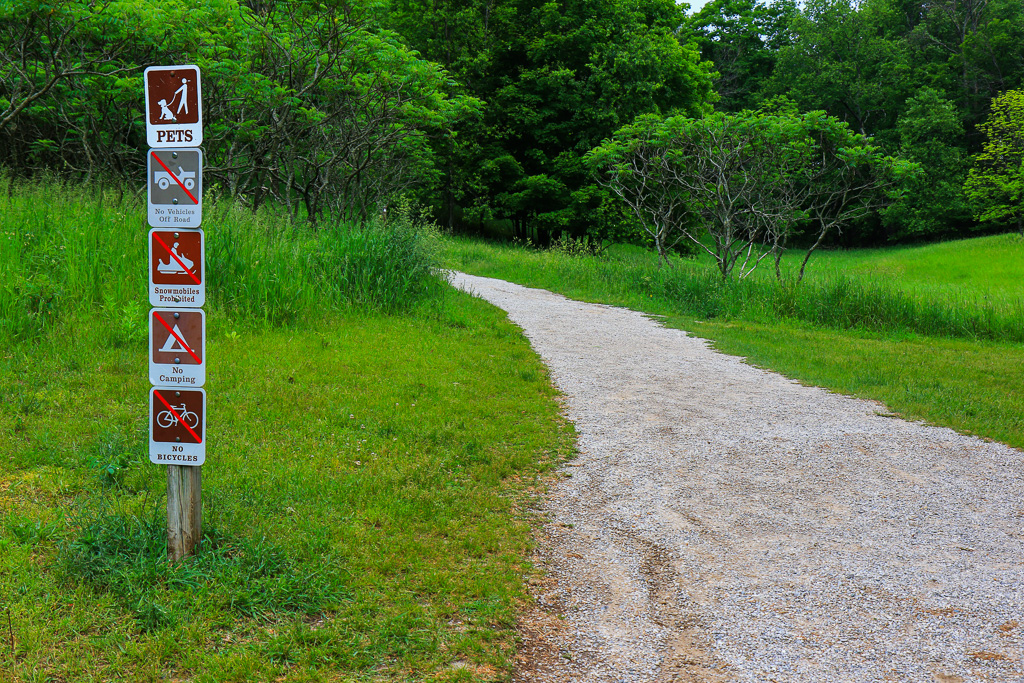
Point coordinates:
[(177, 426)]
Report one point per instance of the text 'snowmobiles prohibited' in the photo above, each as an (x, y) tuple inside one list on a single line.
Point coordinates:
[(175, 188), (176, 270), (174, 115), (177, 425), (177, 346)]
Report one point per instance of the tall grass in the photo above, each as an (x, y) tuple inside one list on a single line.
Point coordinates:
[(833, 300), (67, 250)]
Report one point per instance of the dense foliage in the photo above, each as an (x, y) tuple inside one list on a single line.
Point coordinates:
[(311, 105), (730, 182), (996, 183), (918, 76), (485, 111)]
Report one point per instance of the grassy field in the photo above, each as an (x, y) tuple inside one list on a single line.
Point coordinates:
[(372, 456), (929, 348), (375, 438), (987, 266)]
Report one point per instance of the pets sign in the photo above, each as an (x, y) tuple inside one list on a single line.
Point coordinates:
[(174, 110)]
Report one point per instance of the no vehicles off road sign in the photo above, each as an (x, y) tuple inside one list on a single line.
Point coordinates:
[(174, 109), (175, 188), (177, 425), (176, 270), (177, 347)]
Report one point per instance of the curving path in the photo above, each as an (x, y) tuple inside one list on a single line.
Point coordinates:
[(723, 523)]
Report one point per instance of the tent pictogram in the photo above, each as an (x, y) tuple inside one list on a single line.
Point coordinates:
[(177, 344)]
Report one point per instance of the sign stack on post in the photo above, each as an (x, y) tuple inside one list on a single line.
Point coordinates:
[(177, 292)]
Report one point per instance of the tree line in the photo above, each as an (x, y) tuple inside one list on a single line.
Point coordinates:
[(312, 106), (918, 76), (488, 111)]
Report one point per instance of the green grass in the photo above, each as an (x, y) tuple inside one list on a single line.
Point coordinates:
[(986, 266), (67, 250), (931, 349), (360, 498), (837, 300), (374, 441)]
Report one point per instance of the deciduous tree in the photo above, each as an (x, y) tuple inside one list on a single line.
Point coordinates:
[(995, 183), (738, 185)]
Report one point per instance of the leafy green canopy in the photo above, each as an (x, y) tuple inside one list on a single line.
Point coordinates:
[(742, 38), (932, 135), (995, 184), (556, 78), (308, 104), (575, 73), (914, 75), (740, 185)]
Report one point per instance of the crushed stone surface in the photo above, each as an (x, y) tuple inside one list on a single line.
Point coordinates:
[(724, 523)]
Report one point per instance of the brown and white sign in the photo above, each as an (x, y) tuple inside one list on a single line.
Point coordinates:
[(175, 188), (174, 109), (177, 344), (176, 270), (177, 424)]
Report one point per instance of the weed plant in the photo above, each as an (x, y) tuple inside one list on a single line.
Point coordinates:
[(124, 554)]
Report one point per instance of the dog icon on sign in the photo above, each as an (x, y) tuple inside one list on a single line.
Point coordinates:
[(165, 112)]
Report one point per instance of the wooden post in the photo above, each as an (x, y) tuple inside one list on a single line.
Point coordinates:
[(184, 510)]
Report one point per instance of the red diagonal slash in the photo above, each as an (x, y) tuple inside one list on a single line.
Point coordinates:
[(180, 340), (194, 200), (175, 257), (178, 417)]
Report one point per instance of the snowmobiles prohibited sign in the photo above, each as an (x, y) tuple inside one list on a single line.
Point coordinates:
[(176, 270)]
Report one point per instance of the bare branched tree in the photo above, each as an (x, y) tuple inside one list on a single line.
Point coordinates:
[(737, 186), (736, 171), (639, 173)]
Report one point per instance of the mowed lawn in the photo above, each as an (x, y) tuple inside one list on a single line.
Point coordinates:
[(366, 497), (954, 379)]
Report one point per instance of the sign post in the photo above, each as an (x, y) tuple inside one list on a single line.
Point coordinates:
[(177, 290)]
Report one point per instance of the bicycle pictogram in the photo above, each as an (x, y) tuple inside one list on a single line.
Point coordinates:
[(167, 418)]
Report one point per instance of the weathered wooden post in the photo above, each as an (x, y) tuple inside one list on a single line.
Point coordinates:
[(177, 290), (184, 510)]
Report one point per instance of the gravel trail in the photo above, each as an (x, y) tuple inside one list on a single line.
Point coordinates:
[(723, 523)]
